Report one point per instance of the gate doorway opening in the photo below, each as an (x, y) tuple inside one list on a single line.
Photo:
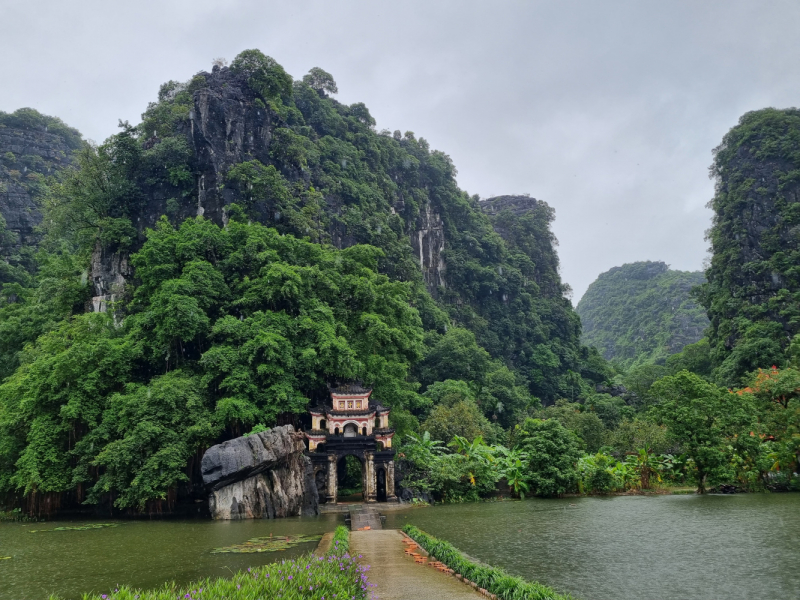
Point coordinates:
[(350, 479), (381, 481), (320, 480)]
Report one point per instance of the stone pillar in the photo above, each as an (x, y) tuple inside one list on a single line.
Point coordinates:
[(372, 485), (332, 491), (390, 495)]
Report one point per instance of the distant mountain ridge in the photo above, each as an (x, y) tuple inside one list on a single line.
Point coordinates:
[(642, 312)]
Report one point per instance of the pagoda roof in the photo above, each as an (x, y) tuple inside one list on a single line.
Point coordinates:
[(353, 412), (350, 389)]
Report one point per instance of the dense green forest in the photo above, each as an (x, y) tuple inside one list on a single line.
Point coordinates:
[(211, 269), (720, 411), (641, 312), (753, 290)]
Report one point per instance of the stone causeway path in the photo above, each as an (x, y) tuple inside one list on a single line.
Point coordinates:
[(397, 576), (363, 516)]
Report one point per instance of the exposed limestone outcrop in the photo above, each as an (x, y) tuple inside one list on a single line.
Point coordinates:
[(109, 271), (260, 476), (518, 205), (26, 157), (428, 244)]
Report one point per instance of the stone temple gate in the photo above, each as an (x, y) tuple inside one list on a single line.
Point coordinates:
[(352, 425)]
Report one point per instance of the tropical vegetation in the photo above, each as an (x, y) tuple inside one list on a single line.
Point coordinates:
[(307, 275), (695, 434)]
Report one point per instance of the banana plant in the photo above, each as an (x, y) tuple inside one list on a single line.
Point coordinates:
[(646, 465), (422, 450), (515, 472), (473, 452)]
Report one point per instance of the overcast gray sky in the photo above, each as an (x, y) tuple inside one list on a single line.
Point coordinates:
[(608, 110)]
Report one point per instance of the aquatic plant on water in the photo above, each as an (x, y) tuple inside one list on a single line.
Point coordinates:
[(493, 579), (335, 576), (276, 543), (77, 527)]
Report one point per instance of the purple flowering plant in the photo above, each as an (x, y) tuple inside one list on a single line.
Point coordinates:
[(335, 575)]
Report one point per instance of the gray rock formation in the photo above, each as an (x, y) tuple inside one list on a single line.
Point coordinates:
[(109, 271), (25, 157), (428, 244), (260, 476), (518, 205)]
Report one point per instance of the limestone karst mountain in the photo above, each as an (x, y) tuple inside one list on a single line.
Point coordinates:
[(642, 312)]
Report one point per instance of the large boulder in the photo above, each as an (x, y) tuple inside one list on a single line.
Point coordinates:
[(260, 476)]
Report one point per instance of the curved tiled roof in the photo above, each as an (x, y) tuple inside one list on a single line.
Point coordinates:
[(349, 388)]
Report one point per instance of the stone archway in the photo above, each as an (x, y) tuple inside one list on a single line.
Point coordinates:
[(372, 454)]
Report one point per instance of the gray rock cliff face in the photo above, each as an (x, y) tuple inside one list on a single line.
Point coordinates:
[(260, 476), (110, 272), (427, 241), (518, 205), (25, 157), (226, 127)]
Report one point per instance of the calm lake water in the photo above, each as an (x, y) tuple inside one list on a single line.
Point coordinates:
[(138, 553), (739, 547), (619, 548)]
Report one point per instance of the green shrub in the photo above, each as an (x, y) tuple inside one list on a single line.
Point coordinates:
[(333, 576), (496, 581), (340, 545)]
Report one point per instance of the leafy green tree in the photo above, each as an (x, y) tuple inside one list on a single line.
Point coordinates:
[(598, 474), (638, 380), (586, 425), (320, 80), (148, 435), (705, 420), (422, 449), (777, 393), (513, 466), (461, 418), (695, 358), (262, 73), (553, 453), (95, 202), (640, 432), (503, 398), (611, 410), (55, 397), (455, 355), (58, 290)]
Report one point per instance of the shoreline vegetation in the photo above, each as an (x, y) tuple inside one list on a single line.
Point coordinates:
[(492, 579), (335, 576)]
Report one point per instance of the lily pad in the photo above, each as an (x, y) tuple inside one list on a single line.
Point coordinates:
[(76, 527), (276, 543)]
